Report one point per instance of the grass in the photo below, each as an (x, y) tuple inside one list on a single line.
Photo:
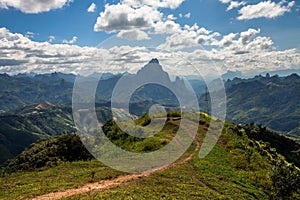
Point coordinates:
[(233, 170), (214, 177), (24, 185)]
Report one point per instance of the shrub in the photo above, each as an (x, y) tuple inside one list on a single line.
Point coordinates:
[(285, 180)]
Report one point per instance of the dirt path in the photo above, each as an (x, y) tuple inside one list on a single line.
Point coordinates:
[(106, 184)]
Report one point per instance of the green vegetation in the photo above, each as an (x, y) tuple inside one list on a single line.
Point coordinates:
[(270, 101), (228, 172), (24, 185), (134, 144), (286, 147), (51, 152), (239, 167), (285, 180), (21, 127), (19, 91)]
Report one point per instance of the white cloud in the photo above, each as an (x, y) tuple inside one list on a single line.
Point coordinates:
[(33, 6), (246, 43), (51, 38), (186, 37), (266, 9), (72, 41), (247, 35), (92, 8), (226, 40), (225, 1), (187, 15), (20, 54), (123, 17), (235, 4), (171, 17), (133, 35), (29, 34), (138, 18), (166, 27), (172, 4)]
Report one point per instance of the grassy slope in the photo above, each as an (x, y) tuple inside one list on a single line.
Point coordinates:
[(233, 170), (22, 185), (210, 178), (214, 177)]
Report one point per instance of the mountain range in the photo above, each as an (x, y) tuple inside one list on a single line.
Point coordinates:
[(271, 101), (36, 106)]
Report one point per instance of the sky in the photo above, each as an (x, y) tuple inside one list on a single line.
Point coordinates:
[(187, 36)]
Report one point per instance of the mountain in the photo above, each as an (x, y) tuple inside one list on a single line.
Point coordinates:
[(237, 74), (20, 91), (158, 88), (267, 100), (272, 101), (25, 125), (19, 128), (231, 75), (284, 72), (57, 88)]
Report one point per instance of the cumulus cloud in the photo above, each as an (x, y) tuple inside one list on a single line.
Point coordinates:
[(166, 27), (138, 18), (133, 35), (235, 4), (226, 40), (20, 54), (92, 8), (266, 9), (33, 6), (186, 37), (72, 41), (247, 35), (123, 17), (246, 42), (263, 9)]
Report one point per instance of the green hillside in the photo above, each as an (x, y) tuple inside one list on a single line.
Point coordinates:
[(239, 167), (270, 101), (21, 127), (21, 91)]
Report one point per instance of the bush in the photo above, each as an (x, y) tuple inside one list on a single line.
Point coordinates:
[(49, 152), (285, 180), (151, 144)]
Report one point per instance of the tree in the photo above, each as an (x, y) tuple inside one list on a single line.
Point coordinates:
[(285, 180)]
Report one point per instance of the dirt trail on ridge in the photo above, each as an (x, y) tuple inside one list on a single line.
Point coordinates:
[(106, 184)]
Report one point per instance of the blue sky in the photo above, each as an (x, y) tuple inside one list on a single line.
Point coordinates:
[(225, 28)]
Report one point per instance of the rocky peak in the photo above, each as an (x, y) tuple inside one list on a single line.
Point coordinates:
[(154, 60)]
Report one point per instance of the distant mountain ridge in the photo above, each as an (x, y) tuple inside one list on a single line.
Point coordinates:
[(57, 88), (272, 101), (268, 100), (20, 128), (238, 74)]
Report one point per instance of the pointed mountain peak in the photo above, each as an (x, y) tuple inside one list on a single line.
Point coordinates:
[(154, 60)]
